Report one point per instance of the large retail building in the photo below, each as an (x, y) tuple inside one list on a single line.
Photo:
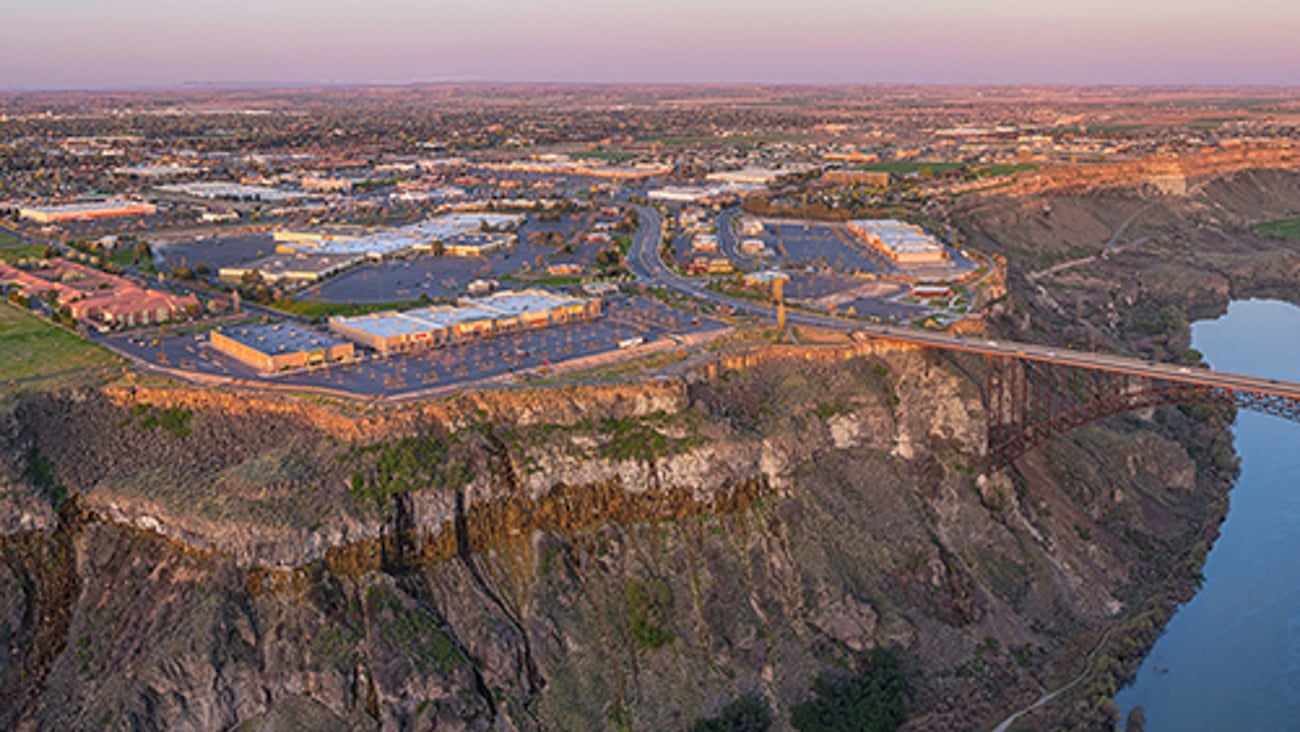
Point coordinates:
[(394, 332), (272, 347)]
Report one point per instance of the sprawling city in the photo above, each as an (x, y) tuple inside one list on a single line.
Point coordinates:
[(648, 405)]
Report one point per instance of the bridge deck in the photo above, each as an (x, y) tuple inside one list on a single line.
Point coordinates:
[(1085, 359)]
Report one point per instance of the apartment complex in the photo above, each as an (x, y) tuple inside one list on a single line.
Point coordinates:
[(96, 296)]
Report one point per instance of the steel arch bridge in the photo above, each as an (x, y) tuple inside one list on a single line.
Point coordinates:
[(1033, 394), (1028, 402)]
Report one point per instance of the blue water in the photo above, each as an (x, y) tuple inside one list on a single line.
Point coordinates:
[(1230, 657)]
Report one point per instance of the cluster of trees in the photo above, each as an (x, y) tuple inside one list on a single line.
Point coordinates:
[(872, 700), (610, 261), (184, 272), (746, 714), (630, 222)]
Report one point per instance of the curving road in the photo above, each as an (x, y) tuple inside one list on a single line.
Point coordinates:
[(649, 267)]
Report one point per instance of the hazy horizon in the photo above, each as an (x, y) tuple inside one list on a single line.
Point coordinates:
[(149, 44)]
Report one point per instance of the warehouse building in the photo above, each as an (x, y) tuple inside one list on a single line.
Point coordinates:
[(294, 269), (478, 244), (288, 242), (275, 347), (903, 243), (231, 192), (395, 332), (464, 234), (86, 211)]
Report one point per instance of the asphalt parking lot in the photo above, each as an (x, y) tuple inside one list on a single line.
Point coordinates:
[(821, 246), (446, 277), (806, 285), (625, 318), (216, 253)]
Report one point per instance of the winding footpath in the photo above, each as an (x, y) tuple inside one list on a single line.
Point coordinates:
[(1049, 696)]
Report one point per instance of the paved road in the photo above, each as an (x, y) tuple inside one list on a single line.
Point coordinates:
[(650, 268), (646, 262), (1085, 359), (728, 242)]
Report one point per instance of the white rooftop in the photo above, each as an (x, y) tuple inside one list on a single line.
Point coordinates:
[(499, 305)]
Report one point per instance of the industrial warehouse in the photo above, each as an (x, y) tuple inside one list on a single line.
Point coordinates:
[(274, 347), (394, 332), (459, 235), (86, 211), (903, 243), (296, 269)]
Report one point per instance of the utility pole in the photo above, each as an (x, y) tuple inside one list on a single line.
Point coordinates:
[(778, 294)]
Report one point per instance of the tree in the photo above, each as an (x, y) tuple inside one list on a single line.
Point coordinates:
[(746, 714), (875, 700), (1137, 720)]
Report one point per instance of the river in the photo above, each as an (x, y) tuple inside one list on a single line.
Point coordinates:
[(1230, 657)]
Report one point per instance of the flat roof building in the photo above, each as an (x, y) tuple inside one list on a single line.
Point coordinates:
[(477, 244), (393, 332), (756, 176), (902, 242), (563, 165), (85, 211), (275, 347), (380, 244), (704, 243), (230, 191), (292, 268)]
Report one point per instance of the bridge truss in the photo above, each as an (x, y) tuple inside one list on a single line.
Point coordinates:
[(1028, 402)]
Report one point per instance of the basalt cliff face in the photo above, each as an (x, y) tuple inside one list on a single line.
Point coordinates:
[(591, 558)]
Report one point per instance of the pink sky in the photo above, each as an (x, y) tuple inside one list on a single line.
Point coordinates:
[(128, 43)]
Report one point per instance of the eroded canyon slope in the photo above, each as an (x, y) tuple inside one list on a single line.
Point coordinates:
[(573, 559)]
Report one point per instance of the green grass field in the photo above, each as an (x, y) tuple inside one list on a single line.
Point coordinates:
[(991, 171), (6, 238), (1284, 229), (32, 348), (906, 167), (122, 257), (13, 254), (328, 309)]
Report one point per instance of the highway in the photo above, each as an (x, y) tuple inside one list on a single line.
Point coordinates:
[(645, 260)]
